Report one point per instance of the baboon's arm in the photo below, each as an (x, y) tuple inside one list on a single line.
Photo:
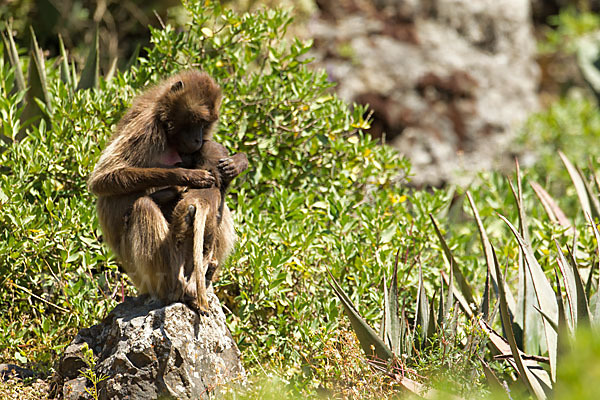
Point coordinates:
[(134, 179)]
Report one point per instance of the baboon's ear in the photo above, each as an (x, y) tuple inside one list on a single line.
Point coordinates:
[(177, 86)]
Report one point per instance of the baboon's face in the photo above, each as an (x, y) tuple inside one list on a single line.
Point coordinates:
[(188, 139), (190, 109)]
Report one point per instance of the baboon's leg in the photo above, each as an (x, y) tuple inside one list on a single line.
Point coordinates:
[(193, 210), (151, 254)]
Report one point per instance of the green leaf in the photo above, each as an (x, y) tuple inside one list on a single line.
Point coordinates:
[(545, 296), (577, 180), (13, 56), (90, 76), (526, 375), (65, 76), (552, 209), (489, 258), (464, 286), (20, 357), (367, 337)]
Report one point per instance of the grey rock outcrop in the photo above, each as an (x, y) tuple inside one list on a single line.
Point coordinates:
[(449, 81), (151, 351)]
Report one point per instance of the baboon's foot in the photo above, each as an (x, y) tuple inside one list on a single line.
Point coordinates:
[(195, 305)]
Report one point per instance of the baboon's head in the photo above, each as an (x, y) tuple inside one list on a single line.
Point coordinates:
[(189, 109)]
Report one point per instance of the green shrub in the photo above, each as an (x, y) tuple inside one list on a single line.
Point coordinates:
[(319, 194)]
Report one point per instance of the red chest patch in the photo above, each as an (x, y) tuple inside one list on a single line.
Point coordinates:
[(169, 158)]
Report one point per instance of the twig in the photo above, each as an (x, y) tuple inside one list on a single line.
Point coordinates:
[(39, 298)]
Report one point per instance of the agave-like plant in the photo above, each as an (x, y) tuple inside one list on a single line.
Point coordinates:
[(534, 321), (397, 337), (37, 102), (542, 315)]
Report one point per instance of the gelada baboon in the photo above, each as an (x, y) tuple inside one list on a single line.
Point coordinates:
[(160, 184)]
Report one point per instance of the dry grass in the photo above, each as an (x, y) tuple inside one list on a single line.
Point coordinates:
[(17, 389), (346, 373)]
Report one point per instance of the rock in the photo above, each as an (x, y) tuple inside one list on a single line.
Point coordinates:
[(449, 81), (12, 371), (148, 351)]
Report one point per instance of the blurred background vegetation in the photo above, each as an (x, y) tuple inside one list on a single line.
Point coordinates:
[(321, 195)]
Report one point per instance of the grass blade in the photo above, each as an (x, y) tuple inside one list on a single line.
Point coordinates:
[(393, 309), (562, 315), (595, 298), (422, 317), (460, 299), (484, 308), (367, 337), (111, 70), (133, 59), (529, 321), (37, 87), (449, 300), (385, 320), (545, 296), (591, 195), (496, 387), (502, 346)]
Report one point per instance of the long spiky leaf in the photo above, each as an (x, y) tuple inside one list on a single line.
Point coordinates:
[(578, 183), (545, 296), (527, 377), (367, 337), (13, 56), (487, 251), (463, 284)]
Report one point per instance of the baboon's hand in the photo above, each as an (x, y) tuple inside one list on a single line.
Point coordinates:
[(199, 178), (230, 167)]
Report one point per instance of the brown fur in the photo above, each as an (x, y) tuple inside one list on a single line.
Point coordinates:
[(139, 172)]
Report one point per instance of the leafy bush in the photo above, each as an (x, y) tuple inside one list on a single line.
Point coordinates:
[(319, 194)]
